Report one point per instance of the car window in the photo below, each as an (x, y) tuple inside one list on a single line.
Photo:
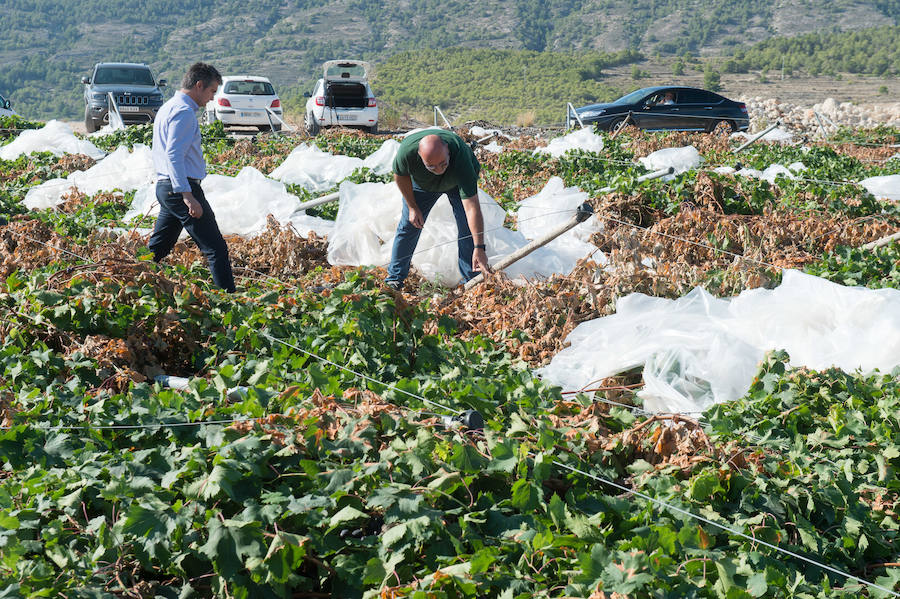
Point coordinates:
[(631, 98), (123, 76), (344, 70), (249, 88), (698, 96)]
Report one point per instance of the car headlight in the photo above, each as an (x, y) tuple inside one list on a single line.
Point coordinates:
[(98, 96), (589, 114)]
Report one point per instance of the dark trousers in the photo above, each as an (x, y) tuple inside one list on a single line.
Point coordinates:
[(408, 235), (173, 217)]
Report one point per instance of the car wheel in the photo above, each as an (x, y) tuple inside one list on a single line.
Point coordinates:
[(89, 124), (312, 127), (617, 124), (373, 128), (722, 128)]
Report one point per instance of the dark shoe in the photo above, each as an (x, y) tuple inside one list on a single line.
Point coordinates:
[(395, 285)]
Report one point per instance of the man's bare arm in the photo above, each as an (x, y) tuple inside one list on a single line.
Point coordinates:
[(404, 184), (476, 227)]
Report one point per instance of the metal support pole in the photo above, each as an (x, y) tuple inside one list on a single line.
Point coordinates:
[(753, 139), (112, 110), (821, 126), (582, 213), (437, 111), (318, 201), (570, 111), (279, 119), (881, 242)]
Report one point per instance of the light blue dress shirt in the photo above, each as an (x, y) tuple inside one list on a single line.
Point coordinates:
[(177, 154)]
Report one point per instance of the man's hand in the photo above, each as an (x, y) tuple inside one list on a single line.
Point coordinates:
[(415, 217), (480, 261), (193, 206)]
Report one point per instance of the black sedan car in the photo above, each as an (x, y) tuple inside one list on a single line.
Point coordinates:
[(666, 109)]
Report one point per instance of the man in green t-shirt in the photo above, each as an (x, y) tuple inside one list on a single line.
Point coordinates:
[(428, 164)]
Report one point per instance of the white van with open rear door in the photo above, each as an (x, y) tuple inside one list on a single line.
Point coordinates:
[(342, 98)]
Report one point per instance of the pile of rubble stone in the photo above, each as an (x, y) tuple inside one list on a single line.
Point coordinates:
[(831, 114)]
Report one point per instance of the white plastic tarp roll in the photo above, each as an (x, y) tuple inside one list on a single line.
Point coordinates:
[(886, 186), (314, 169), (367, 222), (582, 139), (552, 207), (319, 171), (680, 159), (242, 204), (121, 170), (382, 160), (699, 350), (55, 137)]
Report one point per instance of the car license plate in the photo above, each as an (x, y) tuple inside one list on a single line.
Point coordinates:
[(346, 117), (248, 114), (128, 109)]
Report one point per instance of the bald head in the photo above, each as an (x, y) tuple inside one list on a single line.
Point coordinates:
[(435, 154)]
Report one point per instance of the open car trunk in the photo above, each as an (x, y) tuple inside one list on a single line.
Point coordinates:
[(345, 94)]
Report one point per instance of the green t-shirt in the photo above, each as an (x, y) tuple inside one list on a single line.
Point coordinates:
[(462, 171)]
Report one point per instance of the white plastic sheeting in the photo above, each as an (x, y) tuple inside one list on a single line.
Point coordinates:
[(369, 213), (55, 137), (122, 170), (481, 132), (582, 139), (317, 170), (771, 172), (699, 350), (242, 204), (887, 186), (553, 207), (681, 159)]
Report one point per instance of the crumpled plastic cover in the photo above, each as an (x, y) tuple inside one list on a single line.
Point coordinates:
[(770, 173), (886, 186), (242, 204), (552, 207), (699, 350), (317, 170), (681, 159), (581, 139), (482, 132), (122, 170), (55, 137), (367, 222)]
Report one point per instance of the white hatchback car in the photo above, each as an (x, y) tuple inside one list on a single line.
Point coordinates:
[(245, 101), (342, 98)]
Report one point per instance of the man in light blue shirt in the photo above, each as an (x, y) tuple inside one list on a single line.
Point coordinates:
[(178, 158)]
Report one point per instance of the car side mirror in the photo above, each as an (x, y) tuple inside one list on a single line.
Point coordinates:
[(6, 105), (161, 83), (86, 80), (307, 95)]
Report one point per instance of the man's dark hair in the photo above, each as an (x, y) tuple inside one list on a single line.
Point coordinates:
[(200, 71)]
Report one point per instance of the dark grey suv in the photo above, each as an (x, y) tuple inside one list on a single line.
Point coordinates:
[(136, 93)]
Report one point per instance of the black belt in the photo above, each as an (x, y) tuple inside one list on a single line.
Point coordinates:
[(190, 179)]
